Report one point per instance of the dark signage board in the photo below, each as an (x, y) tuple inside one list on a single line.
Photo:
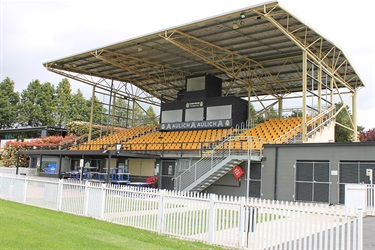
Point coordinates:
[(223, 123), (194, 104)]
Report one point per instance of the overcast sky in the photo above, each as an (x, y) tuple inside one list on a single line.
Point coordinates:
[(33, 32)]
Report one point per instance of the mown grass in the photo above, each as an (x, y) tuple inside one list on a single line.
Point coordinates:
[(27, 227)]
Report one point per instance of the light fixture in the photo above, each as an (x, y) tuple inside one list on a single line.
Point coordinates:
[(118, 147), (237, 24)]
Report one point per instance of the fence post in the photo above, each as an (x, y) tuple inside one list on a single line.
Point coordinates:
[(360, 229), (86, 199), (25, 190), (242, 219), (211, 220), (59, 194), (102, 205), (160, 225)]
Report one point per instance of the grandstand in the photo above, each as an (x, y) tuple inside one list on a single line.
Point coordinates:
[(205, 77)]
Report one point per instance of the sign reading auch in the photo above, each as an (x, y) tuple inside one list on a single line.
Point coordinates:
[(222, 123)]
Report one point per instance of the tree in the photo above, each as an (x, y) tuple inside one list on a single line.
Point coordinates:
[(369, 135), (100, 113), (37, 105), (63, 102), (343, 134), (47, 103), (122, 113), (9, 103), (137, 116), (78, 110), (31, 113), (296, 113), (150, 117)]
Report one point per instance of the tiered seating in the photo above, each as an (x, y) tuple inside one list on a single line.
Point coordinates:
[(123, 135), (271, 131), (177, 140), (147, 139)]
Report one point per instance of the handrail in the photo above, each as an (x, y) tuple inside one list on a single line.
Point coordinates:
[(320, 120), (213, 158)]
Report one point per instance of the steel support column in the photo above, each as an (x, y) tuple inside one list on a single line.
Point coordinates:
[(91, 112), (280, 107), (113, 112), (354, 114), (249, 115), (109, 107), (304, 89), (319, 90)]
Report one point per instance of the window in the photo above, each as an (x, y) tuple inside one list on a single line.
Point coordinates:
[(219, 112), (312, 181), (255, 179), (353, 172), (49, 167), (171, 116), (195, 84), (195, 114), (184, 164)]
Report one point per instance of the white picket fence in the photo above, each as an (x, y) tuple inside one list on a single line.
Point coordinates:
[(234, 222), (21, 170)]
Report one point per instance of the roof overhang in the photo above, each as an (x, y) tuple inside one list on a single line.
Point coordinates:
[(258, 49)]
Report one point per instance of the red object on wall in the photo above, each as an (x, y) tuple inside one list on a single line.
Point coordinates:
[(238, 172)]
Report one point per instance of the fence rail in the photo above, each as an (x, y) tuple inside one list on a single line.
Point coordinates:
[(234, 222)]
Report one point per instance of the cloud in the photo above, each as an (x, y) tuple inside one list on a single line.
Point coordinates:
[(33, 32)]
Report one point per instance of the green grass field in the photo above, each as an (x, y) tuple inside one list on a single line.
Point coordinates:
[(27, 227)]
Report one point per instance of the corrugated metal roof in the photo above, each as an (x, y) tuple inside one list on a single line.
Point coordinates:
[(243, 48)]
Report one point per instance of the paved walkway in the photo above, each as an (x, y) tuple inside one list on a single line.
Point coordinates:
[(369, 232)]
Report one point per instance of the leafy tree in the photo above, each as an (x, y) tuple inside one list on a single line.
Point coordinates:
[(78, 110), (253, 113), (100, 113), (47, 104), (369, 135), (150, 117), (31, 113), (9, 102), (63, 102), (296, 113), (122, 112), (342, 134), (37, 105), (138, 116)]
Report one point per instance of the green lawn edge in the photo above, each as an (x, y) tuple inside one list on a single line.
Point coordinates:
[(28, 227)]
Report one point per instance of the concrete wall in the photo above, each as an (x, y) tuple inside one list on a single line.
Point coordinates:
[(228, 185), (281, 159), (325, 135)]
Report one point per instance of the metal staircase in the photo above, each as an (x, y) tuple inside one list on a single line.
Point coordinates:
[(215, 164)]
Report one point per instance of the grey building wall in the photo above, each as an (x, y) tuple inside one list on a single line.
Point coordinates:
[(281, 159), (228, 185)]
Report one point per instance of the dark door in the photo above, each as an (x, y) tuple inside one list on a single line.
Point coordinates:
[(167, 174)]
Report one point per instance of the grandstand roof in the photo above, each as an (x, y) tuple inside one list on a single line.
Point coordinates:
[(260, 47)]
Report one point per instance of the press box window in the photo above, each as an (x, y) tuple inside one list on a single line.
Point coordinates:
[(195, 114), (219, 112), (171, 116), (195, 84)]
